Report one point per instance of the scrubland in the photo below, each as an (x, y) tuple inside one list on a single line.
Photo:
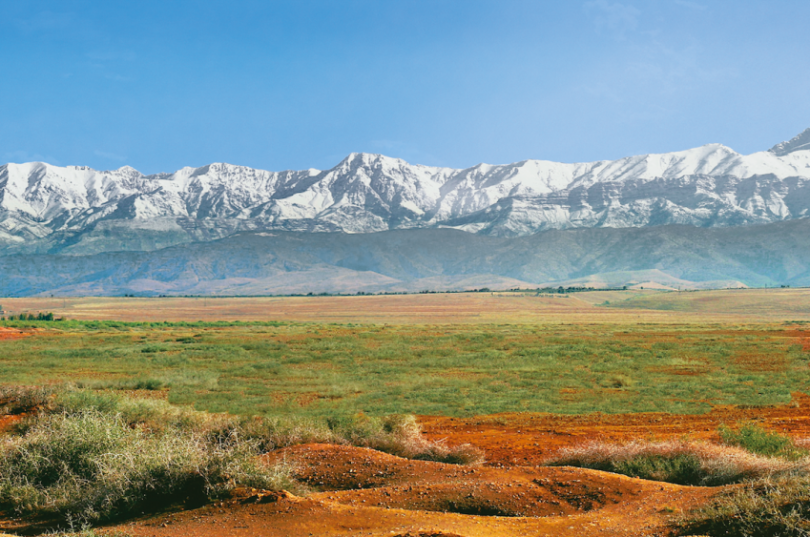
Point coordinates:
[(105, 420)]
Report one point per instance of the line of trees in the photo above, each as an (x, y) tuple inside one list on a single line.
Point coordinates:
[(31, 317)]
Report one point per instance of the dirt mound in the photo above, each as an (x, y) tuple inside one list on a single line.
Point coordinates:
[(330, 467), (359, 491), (360, 477)]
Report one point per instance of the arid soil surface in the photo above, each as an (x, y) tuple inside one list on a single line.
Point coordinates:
[(532, 439), (363, 492), (742, 305), (357, 491), (7, 333)]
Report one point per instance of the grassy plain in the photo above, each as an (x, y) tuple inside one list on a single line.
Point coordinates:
[(423, 354)]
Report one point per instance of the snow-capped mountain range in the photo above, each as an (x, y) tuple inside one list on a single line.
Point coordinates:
[(80, 210)]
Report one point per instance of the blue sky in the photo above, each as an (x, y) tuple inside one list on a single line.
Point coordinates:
[(159, 85)]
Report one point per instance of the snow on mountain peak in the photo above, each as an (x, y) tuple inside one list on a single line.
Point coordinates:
[(800, 142), (710, 185), (372, 160)]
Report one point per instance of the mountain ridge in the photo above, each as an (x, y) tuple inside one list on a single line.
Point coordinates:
[(78, 210)]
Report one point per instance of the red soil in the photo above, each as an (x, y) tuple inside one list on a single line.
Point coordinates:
[(7, 422), (365, 492), (357, 491), (531, 439), (14, 333)]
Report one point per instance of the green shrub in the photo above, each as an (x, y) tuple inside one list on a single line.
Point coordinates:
[(777, 507), (16, 399), (88, 456), (154, 415), (681, 468), (757, 440), (398, 435), (150, 349), (89, 466)]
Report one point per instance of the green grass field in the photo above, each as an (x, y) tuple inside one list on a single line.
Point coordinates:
[(324, 370)]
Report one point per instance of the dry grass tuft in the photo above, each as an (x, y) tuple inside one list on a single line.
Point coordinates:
[(676, 461), (769, 507), (401, 435), (91, 465)]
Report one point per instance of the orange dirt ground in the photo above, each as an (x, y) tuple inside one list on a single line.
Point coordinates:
[(365, 492), (531, 439), (13, 333), (357, 491)]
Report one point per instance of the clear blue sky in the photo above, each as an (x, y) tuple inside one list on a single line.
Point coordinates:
[(297, 84)]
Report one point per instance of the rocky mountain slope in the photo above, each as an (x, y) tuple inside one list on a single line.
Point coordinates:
[(281, 262), (77, 210)]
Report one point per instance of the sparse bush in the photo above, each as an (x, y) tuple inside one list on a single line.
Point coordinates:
[(616, 381), (141, 384), (768, 507), (757, 440), (89, 456), (398, 435), (15, 399), (90, 465), (674, 461), (401, 435), (776, 505), (681, 468)]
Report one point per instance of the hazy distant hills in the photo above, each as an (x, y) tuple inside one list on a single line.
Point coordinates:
[(413, 260), (77, 210)]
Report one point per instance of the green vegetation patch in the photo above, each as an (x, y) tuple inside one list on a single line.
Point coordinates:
[(84, 462), (757, 440), (85, 456), (681, 468), (328, 370)]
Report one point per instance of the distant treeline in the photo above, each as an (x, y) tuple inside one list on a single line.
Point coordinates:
[(74, 324), (31, 317), (562, 290), (538, 290)]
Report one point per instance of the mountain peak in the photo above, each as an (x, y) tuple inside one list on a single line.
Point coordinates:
[(370, 159), (798, 143), (365, 157), (128, 169)]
